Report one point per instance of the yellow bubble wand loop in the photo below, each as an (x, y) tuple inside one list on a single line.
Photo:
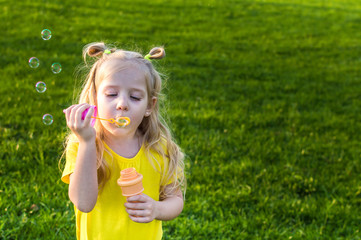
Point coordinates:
[(120, 121)]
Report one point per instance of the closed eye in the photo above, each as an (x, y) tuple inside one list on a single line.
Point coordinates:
[(111, 94), (135, 98)]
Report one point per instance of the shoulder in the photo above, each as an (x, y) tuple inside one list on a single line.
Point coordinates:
[(160, 146), (157, 153), (163, 143)]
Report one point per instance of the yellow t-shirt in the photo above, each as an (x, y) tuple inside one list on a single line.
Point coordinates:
[(109, 220)]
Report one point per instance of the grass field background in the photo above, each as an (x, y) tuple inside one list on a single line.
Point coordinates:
[(263, 96)]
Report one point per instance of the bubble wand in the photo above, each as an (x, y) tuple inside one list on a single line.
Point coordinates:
[(120, 121)]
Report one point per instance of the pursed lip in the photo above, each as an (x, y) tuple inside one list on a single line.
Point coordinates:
[(123, 122)]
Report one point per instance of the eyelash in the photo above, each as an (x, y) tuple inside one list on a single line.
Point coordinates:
[(135, 98), (132, 97)]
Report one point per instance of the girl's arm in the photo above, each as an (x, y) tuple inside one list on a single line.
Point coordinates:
[(170, 207), (144, 209), (83, 186)]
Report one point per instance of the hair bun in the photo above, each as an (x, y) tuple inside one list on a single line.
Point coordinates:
[(95, 49), (157, 53)]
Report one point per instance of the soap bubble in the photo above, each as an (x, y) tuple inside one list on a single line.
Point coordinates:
[(122, 122), (34, 62), (47, 119), (40, 87), (56, 68), (46, 34)]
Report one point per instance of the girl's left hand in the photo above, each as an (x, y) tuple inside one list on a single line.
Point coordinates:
[(141, 208)]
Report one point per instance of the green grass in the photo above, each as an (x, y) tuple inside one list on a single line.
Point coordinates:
[(263, 96)]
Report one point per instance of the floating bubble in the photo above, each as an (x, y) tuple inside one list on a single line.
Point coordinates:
[(47, 119), (34, 62), (46, 34), (40, 87), (56, 68)]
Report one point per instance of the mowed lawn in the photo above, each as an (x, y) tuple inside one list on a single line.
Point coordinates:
[(263, 97)]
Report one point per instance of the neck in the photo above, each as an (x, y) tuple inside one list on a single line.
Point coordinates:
[(127, 146)]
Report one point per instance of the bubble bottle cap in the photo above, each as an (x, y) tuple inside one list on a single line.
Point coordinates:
[(130, 182)]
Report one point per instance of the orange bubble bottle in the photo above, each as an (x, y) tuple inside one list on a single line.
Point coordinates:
[(130, 182)]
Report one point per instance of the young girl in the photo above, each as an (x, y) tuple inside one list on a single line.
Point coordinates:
[(121, 84)]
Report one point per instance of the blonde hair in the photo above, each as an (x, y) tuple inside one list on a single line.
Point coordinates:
[(156, 134)]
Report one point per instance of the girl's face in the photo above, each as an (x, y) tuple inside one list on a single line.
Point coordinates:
[(123, 94)]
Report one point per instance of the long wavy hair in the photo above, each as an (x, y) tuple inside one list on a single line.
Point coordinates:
[(156, 133)]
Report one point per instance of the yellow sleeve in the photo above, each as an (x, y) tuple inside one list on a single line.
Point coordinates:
[(71, 153)]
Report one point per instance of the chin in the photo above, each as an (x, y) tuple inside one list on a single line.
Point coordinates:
[(113, 130), (120, 132)]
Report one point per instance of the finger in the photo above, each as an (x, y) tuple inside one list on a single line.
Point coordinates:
[(137, 206), (69, 121), (140, 219), (88, 116), (79, 112), (73, 115), (68, 108), (138, 213), (67, 112), (137, 198)]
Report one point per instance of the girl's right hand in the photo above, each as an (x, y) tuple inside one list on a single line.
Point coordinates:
[(81, 128)]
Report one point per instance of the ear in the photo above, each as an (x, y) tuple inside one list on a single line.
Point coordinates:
[(151, 106)]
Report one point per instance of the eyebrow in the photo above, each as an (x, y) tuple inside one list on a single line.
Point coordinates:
[(117, 87)]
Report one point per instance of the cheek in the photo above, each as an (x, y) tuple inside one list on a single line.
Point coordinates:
[(104, 107)]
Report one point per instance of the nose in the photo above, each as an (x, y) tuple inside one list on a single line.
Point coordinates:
[(122, 104)]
